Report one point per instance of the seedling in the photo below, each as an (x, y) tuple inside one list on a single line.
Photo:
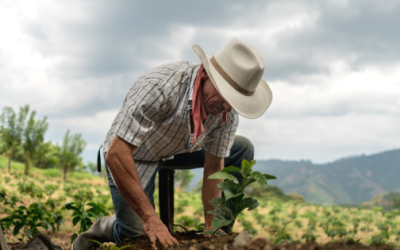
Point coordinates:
[(83, 215), (112, 247), (233, 203)]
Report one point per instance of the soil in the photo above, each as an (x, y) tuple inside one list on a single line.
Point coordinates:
[(193, 241)]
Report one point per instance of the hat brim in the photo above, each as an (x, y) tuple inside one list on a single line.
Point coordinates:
[(248, 106)]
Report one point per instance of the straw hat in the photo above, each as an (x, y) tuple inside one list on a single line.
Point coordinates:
[(236, 71)]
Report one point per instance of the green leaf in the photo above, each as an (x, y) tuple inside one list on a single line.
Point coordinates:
[(28, 233), (120, 248), (70, 206), (230, 189), (73, 237), (260, 178), (246, 166), (100, 244), (248, 181), (231, 169), (76, 220), (212, 232), (222, 213), (218, 223), (216, 202), (247, 202), (270, 177), (223, 176)]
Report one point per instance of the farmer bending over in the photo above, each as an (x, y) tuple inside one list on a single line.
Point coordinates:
[(178, 114)]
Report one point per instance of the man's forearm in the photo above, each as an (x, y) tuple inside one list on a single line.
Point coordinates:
[(210, 191), (126, 178)]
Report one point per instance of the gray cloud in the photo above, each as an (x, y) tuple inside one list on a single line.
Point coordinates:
[(98, 49)]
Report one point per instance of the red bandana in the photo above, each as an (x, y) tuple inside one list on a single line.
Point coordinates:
[(199, 113)]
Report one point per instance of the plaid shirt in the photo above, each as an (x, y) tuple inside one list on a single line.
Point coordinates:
[(155, 117)]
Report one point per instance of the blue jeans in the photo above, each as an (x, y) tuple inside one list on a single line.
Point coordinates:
[(128, 223)]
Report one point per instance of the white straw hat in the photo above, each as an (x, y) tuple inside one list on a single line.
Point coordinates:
[(236, 71)]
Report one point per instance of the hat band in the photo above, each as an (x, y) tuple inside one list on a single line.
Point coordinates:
[(227, 78)]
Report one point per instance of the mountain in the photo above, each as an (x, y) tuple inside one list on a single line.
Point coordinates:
[(349, 180), (385, 200)]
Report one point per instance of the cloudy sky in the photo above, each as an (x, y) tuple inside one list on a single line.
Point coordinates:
[(333, 66)]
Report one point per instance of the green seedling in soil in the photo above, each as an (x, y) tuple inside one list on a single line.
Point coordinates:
[(112, 247), (309, 237), (50, 189), (3, 194), (7, 179), (234, 202), (279, 232), (83, 215), (377, 239), (31, 218), (30, 188)]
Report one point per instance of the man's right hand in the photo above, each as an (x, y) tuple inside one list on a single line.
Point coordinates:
[(155, 229)]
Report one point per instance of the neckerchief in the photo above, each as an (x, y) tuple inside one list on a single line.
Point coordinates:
[(199, 113)]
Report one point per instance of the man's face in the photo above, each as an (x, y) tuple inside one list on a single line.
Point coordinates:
[(212, 100)]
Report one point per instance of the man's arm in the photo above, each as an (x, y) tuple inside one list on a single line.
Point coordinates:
[(210, 191), (126, 178)]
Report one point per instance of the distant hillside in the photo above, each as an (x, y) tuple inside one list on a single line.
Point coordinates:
[(348, 180), (345, 181), (385, 200)]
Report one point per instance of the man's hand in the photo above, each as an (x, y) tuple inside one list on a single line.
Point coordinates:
[(126, 178), (155, 229)]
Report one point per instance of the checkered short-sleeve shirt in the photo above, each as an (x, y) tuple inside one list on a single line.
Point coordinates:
[(155, 117)]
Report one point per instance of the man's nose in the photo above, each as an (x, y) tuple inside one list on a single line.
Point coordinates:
[(227, 107)]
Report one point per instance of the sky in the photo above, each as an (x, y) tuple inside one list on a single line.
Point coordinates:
[(333, 66)]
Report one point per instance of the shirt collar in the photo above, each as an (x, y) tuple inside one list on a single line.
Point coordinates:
[(195, 70)]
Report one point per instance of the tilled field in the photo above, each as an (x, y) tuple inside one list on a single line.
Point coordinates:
[(234, 241)]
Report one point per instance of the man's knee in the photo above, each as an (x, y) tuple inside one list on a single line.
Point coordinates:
[(245, 146)]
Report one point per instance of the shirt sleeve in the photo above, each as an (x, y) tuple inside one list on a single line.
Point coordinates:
[(222, 137), (143, 108)]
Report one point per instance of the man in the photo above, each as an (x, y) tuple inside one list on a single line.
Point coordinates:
[(178, 114)]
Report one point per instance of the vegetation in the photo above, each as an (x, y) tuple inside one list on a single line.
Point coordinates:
[(32, 204), (182, 178), (276, 218), (233, 201), (70, 150), (32, 200), (22, 139), (11, 130)]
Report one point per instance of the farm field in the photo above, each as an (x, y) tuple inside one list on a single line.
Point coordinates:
[(37, 204)]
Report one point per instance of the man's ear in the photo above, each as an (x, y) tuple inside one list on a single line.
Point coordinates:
[(204, 74)]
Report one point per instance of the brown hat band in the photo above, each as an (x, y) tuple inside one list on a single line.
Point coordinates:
[(227, 78)]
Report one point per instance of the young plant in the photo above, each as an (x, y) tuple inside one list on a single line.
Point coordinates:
[(233, 203), (83, 215), (112, 247), (31, 218)]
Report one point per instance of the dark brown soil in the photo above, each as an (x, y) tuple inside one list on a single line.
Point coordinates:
[(193, 241)]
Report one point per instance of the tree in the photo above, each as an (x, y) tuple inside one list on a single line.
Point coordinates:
[(47, 155), (33, 137), (183, 177), (396, 203), (11, 129), (70, 150), (92, 167)]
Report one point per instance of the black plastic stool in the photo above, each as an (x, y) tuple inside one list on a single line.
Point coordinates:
[(166, 194)]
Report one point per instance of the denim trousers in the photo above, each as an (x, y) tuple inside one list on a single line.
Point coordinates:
[(129, 224)]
